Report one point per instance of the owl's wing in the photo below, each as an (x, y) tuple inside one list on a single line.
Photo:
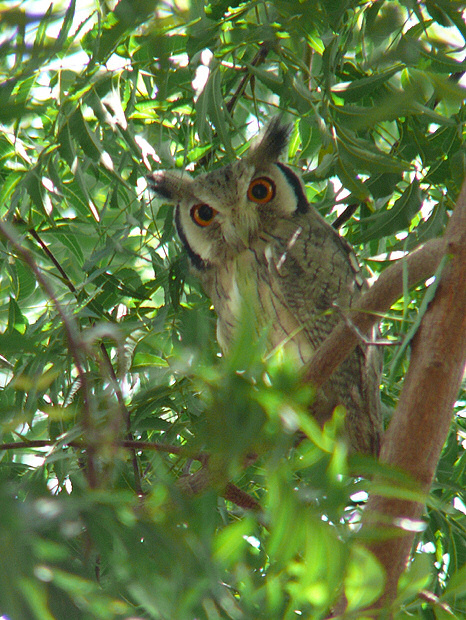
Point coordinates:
[(318, 278), (316, 271)]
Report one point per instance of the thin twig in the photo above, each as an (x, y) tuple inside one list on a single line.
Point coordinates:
[(130, 444), (50, 255), (126, 417), (72, 334), (345, 216), (111, 371), (191, 483), (258, 59)]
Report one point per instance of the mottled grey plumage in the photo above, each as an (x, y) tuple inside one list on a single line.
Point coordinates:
[(252, 238)]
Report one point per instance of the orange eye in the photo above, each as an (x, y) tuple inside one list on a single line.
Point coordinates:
[(261, 190), (202, 214)]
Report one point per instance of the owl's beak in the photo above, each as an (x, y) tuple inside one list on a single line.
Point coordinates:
[(241, 228), (244, 237)]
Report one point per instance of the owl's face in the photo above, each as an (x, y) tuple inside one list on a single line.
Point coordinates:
[(220, 214)]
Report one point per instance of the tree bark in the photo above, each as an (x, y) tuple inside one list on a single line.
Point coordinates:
[(421, 422)]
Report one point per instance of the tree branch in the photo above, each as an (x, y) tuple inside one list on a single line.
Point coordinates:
[(196, 483), (191, 484), (130, 444), (345, 216), (123, 409), (72, 335), (421, 422)]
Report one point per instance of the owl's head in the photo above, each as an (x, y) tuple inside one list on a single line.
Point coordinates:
[(221, 213)]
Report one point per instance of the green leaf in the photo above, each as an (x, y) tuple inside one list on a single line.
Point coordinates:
[(357, 89), (366, 157), (68, 238), (217, 110), (23, 279), (350, 180), (16, 320), (268, 78), (428, 229), (67, 24), (417, 577), (231, 543), (35, 190), (391, 221), (84, 136), (365, 579), (457, 585)]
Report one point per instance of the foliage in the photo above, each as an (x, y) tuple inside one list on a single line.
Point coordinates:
[(106, 338)]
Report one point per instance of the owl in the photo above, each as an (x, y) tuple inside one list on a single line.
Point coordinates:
[(253, 239)]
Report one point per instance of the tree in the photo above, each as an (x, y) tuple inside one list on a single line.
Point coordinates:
[(128, 483)]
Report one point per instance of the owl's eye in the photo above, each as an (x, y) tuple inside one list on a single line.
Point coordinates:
[(202, 214), (261, 190)]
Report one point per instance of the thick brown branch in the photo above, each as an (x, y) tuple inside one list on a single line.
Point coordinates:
[(421, 422), (239, 497)]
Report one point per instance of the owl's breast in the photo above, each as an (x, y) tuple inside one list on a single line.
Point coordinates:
[(246, 287)]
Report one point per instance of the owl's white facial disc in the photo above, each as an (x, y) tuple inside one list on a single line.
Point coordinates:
[(226, 210)]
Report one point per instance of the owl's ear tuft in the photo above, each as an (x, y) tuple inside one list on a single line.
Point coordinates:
[(170, 185), (272, 144)]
